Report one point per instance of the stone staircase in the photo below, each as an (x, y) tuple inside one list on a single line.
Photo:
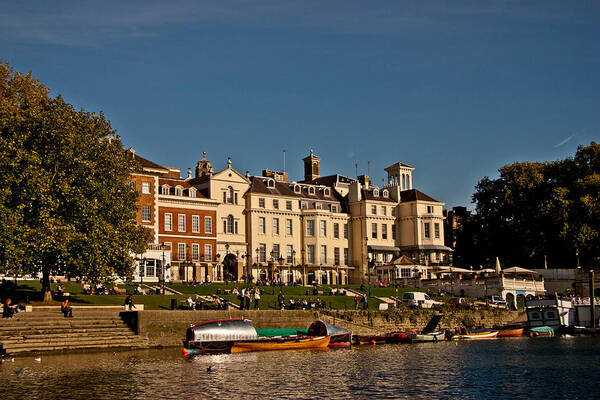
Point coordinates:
[(50, 331)]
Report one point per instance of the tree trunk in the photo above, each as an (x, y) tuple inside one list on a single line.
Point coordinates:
[(46, 291)]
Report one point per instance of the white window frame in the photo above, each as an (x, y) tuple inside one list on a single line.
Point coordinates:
[(181, 251), (261, 202), (195, 224), (323, 228), (289, 227), (261, 225), (208, 252), (310, 227), (146, 212), (146, 188), (426, 230), (168, 222), (310, 254), (181, 222), (207, 224), (323, 254), (276, 226), (195, 251)]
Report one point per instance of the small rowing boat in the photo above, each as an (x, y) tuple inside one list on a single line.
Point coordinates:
[(511, 332), (478, 334), (283, 343), (541, 331)]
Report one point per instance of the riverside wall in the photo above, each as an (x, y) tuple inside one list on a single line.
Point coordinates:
[(167, 328)]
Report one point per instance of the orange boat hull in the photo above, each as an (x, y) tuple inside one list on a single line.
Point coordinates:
[(299, 344), (511, 333)]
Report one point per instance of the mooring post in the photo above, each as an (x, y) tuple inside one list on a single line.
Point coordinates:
[(592, 305)]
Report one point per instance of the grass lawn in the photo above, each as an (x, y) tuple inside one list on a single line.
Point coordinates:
[(31, 290)]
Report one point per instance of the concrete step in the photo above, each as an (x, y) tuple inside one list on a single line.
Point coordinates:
[(33, 328), (28, 335), (130, 342), (67, 340)]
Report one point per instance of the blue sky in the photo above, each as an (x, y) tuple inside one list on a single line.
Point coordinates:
[(455, 88)]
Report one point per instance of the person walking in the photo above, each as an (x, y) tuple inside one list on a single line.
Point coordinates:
[(356, 301), (365, 302), (281, 299)]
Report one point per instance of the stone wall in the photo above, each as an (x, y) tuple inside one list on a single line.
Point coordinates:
[(167, 328), (407, 320)]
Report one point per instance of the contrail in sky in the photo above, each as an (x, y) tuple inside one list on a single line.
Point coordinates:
[(564, 141)]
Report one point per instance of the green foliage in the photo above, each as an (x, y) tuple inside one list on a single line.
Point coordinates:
[(65, 205), (537, 209)]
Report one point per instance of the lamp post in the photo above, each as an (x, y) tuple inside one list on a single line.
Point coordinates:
[(225, 259), (367, 258), (293, 262), (185, 262), (281, 261), (577, 257), (164, 270), (303, 260), (272, 254)]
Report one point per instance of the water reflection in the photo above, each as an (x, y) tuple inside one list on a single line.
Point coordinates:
[(551, 367)]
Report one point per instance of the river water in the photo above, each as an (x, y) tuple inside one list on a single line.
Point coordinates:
[(520, 368)]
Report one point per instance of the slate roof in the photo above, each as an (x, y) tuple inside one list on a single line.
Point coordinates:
[(414, 195), (368, 195), (145, 163)]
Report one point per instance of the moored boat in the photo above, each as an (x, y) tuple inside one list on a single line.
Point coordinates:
[(282, 343), (541, 331), (239, 335), (478, 334), (340, 337), (428, 337), (429, 333), (511, 332)]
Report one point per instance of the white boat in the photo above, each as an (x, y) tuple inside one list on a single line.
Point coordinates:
[(428, 337)]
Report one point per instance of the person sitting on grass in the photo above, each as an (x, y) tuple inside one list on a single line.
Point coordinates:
[(66, 309), (9, 310)]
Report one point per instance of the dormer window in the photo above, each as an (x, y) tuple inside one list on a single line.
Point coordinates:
[(376, 192), (165, 189), (386, 193), (270, 183), (192, 192), (178, 191), (311, 190), (333, 208), (326, 192), (296, 188)]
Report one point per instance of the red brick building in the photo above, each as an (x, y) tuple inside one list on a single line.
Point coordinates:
[(183, 222)]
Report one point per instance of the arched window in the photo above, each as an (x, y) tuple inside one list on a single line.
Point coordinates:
[(311, 190), (386, 193), (376, 192), (178, 191), (271, 183), (229, 224), (165, 189), (229, 197), (192, 192)]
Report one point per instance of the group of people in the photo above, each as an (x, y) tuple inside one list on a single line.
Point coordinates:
[(99, 289), (361, 299), (305, 304), (246, 296)]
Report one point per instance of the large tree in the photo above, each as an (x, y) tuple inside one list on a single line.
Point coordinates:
[(538, 209), (65, 203)]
